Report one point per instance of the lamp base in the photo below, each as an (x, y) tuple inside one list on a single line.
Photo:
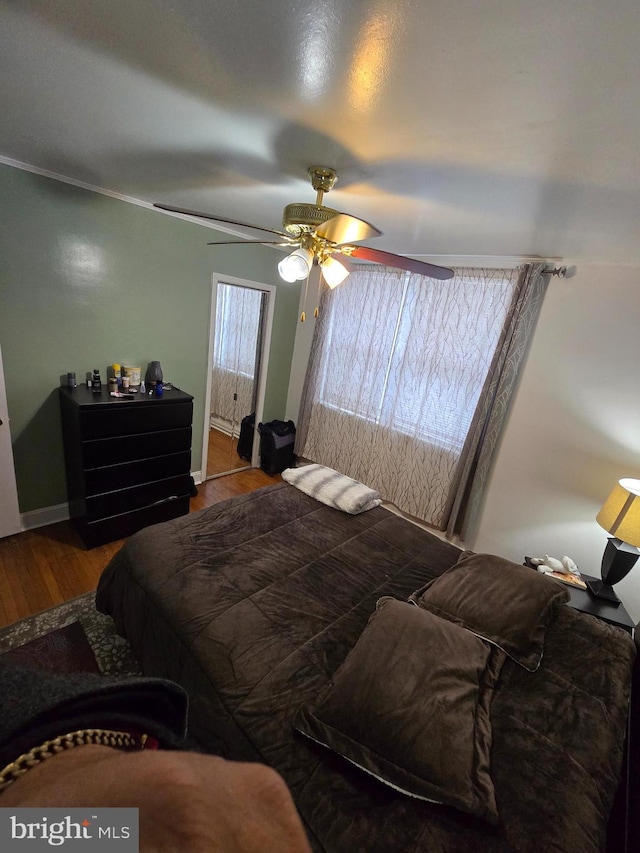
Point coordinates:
[(604, 591), (617, 562), (618, 559)]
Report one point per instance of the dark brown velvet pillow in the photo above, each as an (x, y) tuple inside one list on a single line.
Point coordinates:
[(507, 604), (410, 705)]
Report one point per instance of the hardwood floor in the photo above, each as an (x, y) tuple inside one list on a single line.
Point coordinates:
[(222, 488), (44, 567), (222, 454)]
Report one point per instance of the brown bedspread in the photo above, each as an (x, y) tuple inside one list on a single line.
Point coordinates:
[(252, 605)]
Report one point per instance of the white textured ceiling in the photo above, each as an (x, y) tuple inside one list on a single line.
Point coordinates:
[(459, 128)]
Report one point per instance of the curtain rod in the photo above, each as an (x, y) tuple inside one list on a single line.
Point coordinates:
[(561, 272)]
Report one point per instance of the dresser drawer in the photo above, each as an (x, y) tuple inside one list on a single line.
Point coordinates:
[(136, 497), (109, 421), (120, 526), (112, 477), (110, 451)]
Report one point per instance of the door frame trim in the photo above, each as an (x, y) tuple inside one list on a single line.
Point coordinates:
[(12, 523), (271, 291)]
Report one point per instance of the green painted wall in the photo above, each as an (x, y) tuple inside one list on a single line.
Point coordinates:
[(86, 280)]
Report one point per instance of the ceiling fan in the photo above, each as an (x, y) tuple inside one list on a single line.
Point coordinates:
[(318, 234)]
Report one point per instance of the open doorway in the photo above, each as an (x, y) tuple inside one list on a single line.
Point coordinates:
[(239, 339)]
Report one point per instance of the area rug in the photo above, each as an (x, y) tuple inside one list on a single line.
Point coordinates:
[(71, 637), (62, 650)]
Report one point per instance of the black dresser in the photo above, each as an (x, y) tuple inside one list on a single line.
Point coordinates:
[(127, 461)]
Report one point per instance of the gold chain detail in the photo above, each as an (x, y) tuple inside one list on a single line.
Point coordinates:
[(83, 737)]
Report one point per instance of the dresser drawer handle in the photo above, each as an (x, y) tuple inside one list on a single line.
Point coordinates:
[(164, 500)]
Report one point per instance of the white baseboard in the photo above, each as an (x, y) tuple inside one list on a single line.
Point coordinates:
[(46, 515), (54, 514), (223, 426)]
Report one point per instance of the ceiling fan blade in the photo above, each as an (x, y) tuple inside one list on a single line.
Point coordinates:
[(186, 212), (252, 243), (399, 261), (344, 228)]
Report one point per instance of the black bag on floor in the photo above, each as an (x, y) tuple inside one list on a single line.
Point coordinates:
[(277, 439), (245, 439)]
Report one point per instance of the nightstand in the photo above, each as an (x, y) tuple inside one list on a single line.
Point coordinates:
[(583, 601)]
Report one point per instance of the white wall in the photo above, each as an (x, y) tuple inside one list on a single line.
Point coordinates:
[(574, 427)]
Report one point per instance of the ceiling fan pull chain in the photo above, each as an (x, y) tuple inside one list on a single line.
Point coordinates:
[(318, 294), (303, 316)]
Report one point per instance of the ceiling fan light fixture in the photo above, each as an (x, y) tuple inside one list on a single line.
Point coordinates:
[(334, 273), (296, 266), (320, 231)]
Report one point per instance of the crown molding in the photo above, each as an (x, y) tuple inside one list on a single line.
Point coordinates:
[(46, 173)]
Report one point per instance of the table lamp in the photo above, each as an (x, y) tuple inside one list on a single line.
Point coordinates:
[(620, 516)]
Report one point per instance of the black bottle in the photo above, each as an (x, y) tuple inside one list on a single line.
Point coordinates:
[(96, 382)]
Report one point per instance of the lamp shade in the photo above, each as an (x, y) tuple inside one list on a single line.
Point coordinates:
[(296, 266), (620, 513), (333, 271)]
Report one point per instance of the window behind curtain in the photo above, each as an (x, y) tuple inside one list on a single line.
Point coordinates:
[(397, 368)]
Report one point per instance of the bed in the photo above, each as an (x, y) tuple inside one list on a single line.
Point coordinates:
[(296, 628)]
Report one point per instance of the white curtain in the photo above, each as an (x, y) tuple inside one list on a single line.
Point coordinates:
[(397, 369), (234, 352)]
